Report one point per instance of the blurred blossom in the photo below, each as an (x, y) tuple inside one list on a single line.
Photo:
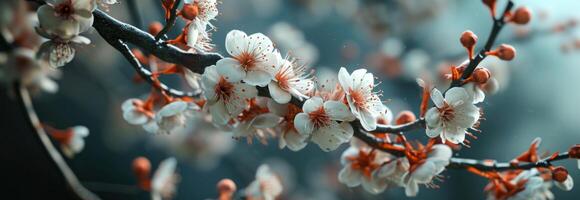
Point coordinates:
[(289, 38)]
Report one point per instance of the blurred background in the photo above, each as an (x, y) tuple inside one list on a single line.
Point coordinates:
[(397, 40)]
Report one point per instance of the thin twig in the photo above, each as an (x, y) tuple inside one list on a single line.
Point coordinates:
[(492, 165), (71, 179), (498, 24), (169, 22)]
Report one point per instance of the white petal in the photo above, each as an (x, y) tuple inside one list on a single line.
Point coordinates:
[(230, 69), (338, 111), (567, 185), (437, 98), (344, 79), (303, 124), (219, 113), (267, 120), (294, 141), (457, 95), (441, 151), (455, 135), (424, 173), (135, 117), (236, 42), (411, 189), (278, 94), (258, 78), (331, 137), (368, 121), (312, 104), (350, 177)]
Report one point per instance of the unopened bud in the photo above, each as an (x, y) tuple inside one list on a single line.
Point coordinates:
[(481, 75), (155, 28), (405, 117), (226, 186), (522, 16), (141, 167), (504, 52), (574, 151), (491, 5), (468, 39), (190, 11), (560, 174)]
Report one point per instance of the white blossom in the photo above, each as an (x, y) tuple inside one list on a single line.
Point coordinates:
[(266, 186), (452, 115), (319, 121), (290, 79), (364, 103), (226, 96), (173, 116), (436, 161), (254, 58), (66, 18), (289, 136), (255, 121), (360, 164), (163, 183)]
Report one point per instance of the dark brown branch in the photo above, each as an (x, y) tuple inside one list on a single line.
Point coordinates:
[(492, 165), (110, 28), (71, 179), (498, 24), (169, 22)]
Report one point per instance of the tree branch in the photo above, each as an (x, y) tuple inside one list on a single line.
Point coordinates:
[(492, 165), (71, 179), (169, 22)]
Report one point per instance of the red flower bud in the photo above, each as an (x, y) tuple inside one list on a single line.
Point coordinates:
[(141, 167), (190, 11), (226, 188), (504, 52), (491, 5), (481, 75), (468, 39), (522, 16), (560, 174), (405, 117), (574, 151), (155, 28)]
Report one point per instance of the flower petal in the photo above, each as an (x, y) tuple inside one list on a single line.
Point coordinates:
[(278, 94), (230, 69)]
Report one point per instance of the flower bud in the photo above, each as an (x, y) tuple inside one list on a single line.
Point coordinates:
[(226, 186), (574, 151), (190, 11), (468, 39), (491, 5), (559, 174), (481, 75), (155, 28), (141, 167), (405, 117), (504, 52), (522, 16)]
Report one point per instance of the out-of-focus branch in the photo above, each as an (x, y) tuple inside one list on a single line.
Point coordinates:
[(169, 22), (71, 179), (492, 165), (498, 24)]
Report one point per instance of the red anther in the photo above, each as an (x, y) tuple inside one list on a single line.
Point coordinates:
[(468, 39), (189, 11), (405, 117), (491, 5), (481, 75), (574, 151), (521, 16), (155, 28), (559, 174), (226, 188), (504, 52)]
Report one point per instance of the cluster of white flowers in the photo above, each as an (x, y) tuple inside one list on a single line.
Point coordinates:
[(266, 186), (61, 21), (377, 171), (171, 117), (199, 13)]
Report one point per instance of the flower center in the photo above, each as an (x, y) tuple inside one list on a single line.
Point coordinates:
[(447, 113), (247, 60), (364, 162), (252, 111), (282, 79), (319, 117), (224, 89), (358, 98), (65, 9)]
